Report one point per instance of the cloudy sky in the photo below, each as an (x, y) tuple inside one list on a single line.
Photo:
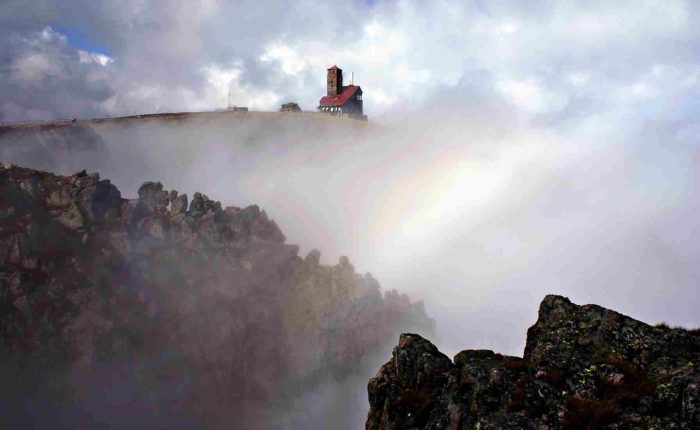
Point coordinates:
[(68, 58), (538, 146)]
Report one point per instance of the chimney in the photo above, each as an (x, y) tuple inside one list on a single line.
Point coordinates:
[(335, 81)]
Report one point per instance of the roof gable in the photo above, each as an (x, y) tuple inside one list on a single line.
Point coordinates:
[(341, 98)]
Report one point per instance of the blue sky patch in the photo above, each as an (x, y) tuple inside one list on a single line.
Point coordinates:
[(79, 40)]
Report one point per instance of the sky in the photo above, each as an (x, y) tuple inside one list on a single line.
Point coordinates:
[(79, 58), (534, 147)]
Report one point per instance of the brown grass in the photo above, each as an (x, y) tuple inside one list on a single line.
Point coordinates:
[(513, 363), (635, 384), (417, 401), (584, 414), (555, 376), (517, 399), (694, 331), (690, 331)]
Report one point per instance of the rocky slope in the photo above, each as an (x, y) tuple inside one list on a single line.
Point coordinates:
[(180, 312), (584, 367)]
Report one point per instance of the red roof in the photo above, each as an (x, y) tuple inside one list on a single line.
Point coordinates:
[(341, 98), (335, 68)]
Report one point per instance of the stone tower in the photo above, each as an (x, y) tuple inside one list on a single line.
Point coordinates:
[(335, 81)]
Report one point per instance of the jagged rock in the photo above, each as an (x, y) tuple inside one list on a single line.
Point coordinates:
[(197, 203), (413, 377), (584, 367), (178, 204), (150, 196), (60, 197), (99, 201), (72, 218), (210, 306), (313, 258)]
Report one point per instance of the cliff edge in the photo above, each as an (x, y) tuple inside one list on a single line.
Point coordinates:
[(584, 367), (185, 313)]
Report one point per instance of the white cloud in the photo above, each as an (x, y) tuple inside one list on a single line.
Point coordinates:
[(32, 67), (402, 52), (86, 57), (289, 59), (578, 79), (222, 81), (531, 96), (508, 28), (49, 35)]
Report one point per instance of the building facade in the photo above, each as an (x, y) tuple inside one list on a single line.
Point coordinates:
[(341, 100)]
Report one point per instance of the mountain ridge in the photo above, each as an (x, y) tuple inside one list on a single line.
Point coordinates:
[(198, 314)]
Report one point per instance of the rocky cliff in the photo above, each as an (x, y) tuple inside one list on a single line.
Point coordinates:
[(178, 312), (584, 367)]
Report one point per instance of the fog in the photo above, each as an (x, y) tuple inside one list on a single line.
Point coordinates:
[(473, 207), (478, 211)]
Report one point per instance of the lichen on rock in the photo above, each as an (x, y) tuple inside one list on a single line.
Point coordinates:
[(584, 367)]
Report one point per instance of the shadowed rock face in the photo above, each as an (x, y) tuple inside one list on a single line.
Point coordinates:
[(584, 367), (183, 313)]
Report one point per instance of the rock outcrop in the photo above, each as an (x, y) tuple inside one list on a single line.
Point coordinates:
[(584, 367), (290, 107), (188, 314)]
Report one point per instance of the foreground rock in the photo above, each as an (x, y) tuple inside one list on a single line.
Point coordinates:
[(183, 313), (584, 367)]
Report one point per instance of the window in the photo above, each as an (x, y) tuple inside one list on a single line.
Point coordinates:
[(359, 97)]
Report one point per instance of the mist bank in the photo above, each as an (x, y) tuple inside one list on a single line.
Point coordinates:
[(471, 205), (182, 312)]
